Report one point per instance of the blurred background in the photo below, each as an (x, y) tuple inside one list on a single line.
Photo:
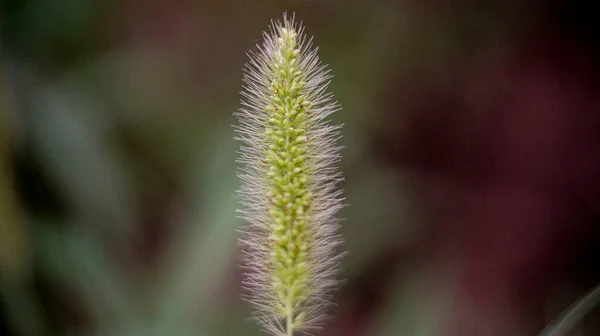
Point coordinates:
[(472, 164)]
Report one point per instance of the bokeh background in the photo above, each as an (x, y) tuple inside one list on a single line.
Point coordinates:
[(472, 164)]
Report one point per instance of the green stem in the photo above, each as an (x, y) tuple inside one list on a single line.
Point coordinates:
[(572, 315), (290, 318)]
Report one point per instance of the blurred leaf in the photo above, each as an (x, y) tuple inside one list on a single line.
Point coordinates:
[(75, 260), (16, 294), (70, 134), (563, 324), (205, 246)]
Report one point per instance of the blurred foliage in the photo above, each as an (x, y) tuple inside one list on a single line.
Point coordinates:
[(125, 161), (117, 159)]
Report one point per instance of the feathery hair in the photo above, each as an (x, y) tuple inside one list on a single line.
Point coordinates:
[(289, 194)]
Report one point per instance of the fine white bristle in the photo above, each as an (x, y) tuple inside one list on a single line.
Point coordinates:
[(289, 175)]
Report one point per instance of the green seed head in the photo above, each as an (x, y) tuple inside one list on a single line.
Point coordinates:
[(288, 195)]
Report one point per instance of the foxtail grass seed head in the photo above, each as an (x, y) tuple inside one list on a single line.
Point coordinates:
[(289, 175)]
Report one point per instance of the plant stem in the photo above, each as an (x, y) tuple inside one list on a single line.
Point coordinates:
[(290, 318), (571, 316)]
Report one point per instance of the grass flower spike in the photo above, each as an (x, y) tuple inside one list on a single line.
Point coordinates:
[(289, 176)]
